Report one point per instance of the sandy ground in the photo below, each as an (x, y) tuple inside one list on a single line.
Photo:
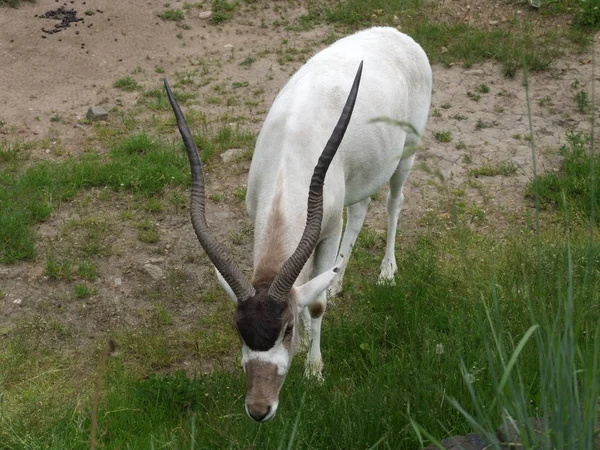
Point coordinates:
[(62, 74)]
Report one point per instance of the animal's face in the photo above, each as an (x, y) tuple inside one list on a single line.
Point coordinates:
[(269, 336)]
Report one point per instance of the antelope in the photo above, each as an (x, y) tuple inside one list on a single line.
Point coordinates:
[(297, 251)]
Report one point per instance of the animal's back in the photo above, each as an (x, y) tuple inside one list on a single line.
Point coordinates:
[(396, 83)]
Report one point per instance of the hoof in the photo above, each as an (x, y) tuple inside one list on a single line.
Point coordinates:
[(313, 370)]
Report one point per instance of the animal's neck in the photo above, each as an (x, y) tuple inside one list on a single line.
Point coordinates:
[(277, 233)]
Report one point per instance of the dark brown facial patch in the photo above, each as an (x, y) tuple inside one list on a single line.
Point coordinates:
[(259, 319)]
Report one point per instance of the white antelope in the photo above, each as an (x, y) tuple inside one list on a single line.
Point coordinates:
[(297, 252)]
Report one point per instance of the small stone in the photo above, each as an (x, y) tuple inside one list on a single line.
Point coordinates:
[(205, 15), (228, 46), (232, 154), (155, 272), (18, 301), (96, 113), (444, 50), (118, 282), (478, 72), (493, 22)]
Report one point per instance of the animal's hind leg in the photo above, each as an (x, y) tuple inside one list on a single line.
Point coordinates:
[(356, 214), (394, 206)]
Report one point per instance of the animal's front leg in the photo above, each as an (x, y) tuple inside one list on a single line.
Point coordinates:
[(314, 362)]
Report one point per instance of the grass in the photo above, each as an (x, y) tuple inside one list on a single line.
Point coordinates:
[(13, 3), (442, 136), (450, 42), (128, 84), (222, 11), (505, 169), (571, 187), (175, 15)]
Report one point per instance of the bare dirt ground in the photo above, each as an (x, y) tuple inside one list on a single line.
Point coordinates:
[(60, 75)]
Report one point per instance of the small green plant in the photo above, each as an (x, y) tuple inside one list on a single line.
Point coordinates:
[(175, 15), (583, 101), (505, 169), (83, 291), (55, 118), (588, 16), (159, 69), (480, 124), (90, 12), (483, 89), (545, 101), (87, 270), (460, 145), (445, 106), (240, 193), (147, 232), (216, 196), (128, 84), (248, 61), (59, 269), (442, 136), (458, 117), (474, 97), (222, 11)]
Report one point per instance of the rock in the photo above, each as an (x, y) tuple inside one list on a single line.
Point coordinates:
[(156, 260), (96, 113), (493, 22), (18, 301), (155, 272), (232, 154), (118, 282), (478, 72), (468, 442), (205, 15), (228, 46)]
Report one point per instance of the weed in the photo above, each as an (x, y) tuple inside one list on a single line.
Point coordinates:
[(216, 196), (87, 270), (175, 15), (55, 118), (474, 97), (505, 169), (583, 101), (460, 145), (442, 136), (458, 116), (248, 61), (483, 89), (480, 124), (59, 269), (240, 193), (83, 291), (436, 113), (222, 11), (128, 84), (545, 101), (147, 231)]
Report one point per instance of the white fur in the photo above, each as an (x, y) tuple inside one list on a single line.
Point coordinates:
[(396, 84), (277, 355)]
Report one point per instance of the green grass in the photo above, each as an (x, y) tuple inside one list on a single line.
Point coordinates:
[(571, 187), (222, 11), (175, 15), (505, 169), (128, 84), (13, 3), (138, 164), (447, 42)]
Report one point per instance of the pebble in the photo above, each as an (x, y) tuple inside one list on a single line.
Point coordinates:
[(478, 72), (231, 155), (205, 15), (118, 282), (155, 272), (228, 46), (96, 113), (18, 301)]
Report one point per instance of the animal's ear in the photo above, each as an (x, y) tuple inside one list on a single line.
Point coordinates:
[(310, 290), (225, 286)]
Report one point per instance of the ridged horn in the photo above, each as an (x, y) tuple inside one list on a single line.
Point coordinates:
[(293, 266), (224, 264)]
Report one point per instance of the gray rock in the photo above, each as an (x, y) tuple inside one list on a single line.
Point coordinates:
[(232, 154), (205, 15), (155, 272), (96, 113), (118, 282), (18, 301)]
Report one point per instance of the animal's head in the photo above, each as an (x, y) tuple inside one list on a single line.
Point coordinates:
[(266, 316)]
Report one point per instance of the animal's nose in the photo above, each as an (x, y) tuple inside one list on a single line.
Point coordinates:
[(261, 413)]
